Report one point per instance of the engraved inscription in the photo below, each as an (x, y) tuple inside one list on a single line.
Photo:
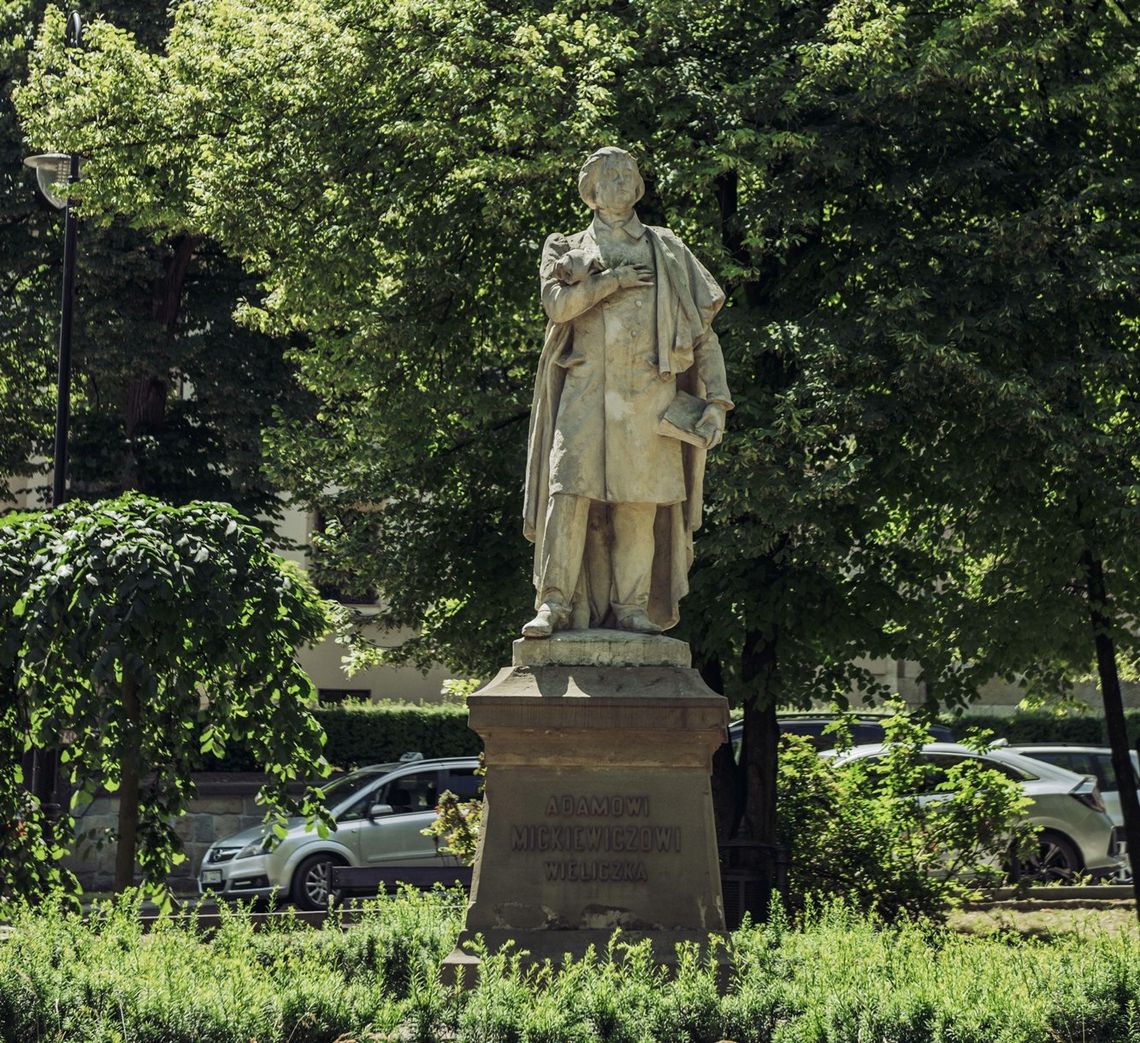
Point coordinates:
[(596, 838), (568, 805), (616, 839), (605, 872)]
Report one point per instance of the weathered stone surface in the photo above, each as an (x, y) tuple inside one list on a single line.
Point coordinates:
[(598, 807), (208, 828), (601, 648), (614, 490)]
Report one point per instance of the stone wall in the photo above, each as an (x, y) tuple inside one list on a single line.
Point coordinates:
[(999, 698), (226, 802)]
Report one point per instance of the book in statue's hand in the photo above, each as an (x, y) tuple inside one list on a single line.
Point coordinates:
[(681, 418)]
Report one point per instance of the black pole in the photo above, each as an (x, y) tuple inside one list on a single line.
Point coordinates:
[(67, 310), (45, 762)]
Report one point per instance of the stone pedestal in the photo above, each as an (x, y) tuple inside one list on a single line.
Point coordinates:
[(598, 810)]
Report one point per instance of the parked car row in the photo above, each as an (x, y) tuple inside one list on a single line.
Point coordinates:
[(1076, 836), (1073, 789), (381, 812), (818, 729)]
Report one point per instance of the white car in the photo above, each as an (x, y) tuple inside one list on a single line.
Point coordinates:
[(380, 814), (1087, 760), (1077, 836)]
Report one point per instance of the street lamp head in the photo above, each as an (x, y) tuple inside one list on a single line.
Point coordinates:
[(53, 171), (56, 169)]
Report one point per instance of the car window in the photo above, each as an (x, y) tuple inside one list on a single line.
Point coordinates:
[(1008, 770), (412, 793), (935, 772), (339, 790), (463, 782), (942, 761), (1091, 764), (1064, 759), (1099, 765), (1061, 760), (932, 766), (358, 809), (1104, 773)]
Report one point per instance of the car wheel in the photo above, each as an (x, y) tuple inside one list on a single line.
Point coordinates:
[(1056, 861), (310, 890)]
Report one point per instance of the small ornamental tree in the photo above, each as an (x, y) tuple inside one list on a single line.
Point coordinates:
[(145, 636), (29, 853)]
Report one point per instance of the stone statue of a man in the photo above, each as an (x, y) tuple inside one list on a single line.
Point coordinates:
[(613, 485)]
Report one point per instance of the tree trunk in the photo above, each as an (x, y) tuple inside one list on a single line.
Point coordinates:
[(144, 406), (727, 186), (128, 786), (727, 789), (759, 761), (168, 290), (1113, 707), (758, 754)]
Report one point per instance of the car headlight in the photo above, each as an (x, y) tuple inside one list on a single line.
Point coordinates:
[(255, 847)]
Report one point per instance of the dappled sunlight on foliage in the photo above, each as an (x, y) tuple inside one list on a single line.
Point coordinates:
[(147, 637)]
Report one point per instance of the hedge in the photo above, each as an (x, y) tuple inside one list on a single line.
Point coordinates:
[(833, 978), (377, 732)]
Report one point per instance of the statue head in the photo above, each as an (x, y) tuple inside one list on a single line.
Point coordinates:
[(604, 162)]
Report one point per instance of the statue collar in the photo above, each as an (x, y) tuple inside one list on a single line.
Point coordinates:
[(631, 227)]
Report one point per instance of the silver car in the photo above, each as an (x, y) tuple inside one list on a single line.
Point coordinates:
[(1077, 836), (1087, 760), (380, 814)]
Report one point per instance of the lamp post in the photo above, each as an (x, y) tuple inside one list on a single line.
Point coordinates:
[(52, 170)]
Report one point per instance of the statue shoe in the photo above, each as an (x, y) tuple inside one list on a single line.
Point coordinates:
[(638, 622), (550, 617)]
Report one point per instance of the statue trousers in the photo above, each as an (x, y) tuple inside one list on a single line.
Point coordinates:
[(596, 557)]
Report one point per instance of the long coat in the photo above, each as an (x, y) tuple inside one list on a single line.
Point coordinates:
[(604, 378)]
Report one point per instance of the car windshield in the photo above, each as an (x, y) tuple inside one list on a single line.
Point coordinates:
[(348, 786)]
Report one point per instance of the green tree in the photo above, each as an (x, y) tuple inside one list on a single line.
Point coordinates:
[(26, 293), (995, 215), (171, 395), (148, 635), (876, 186)]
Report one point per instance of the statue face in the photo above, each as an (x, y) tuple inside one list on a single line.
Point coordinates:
[(616, 187)]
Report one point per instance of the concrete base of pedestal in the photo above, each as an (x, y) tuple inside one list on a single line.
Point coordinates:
[(598, 809)]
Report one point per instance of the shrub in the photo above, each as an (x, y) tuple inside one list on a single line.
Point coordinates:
[(102, 980), (836, 976), (860, 832)]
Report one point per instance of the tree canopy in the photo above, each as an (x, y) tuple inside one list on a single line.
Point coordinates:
[(171, 394), (926, 216)]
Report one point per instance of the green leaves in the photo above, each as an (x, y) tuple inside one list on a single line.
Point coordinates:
[(191, 604), (926, 218), (885, 834)]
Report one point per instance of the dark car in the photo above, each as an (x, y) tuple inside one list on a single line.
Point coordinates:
[(865, 729)]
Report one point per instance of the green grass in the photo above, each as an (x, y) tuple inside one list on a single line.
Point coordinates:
[(835, 978)]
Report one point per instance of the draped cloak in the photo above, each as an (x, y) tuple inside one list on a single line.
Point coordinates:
[(687, 299)]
